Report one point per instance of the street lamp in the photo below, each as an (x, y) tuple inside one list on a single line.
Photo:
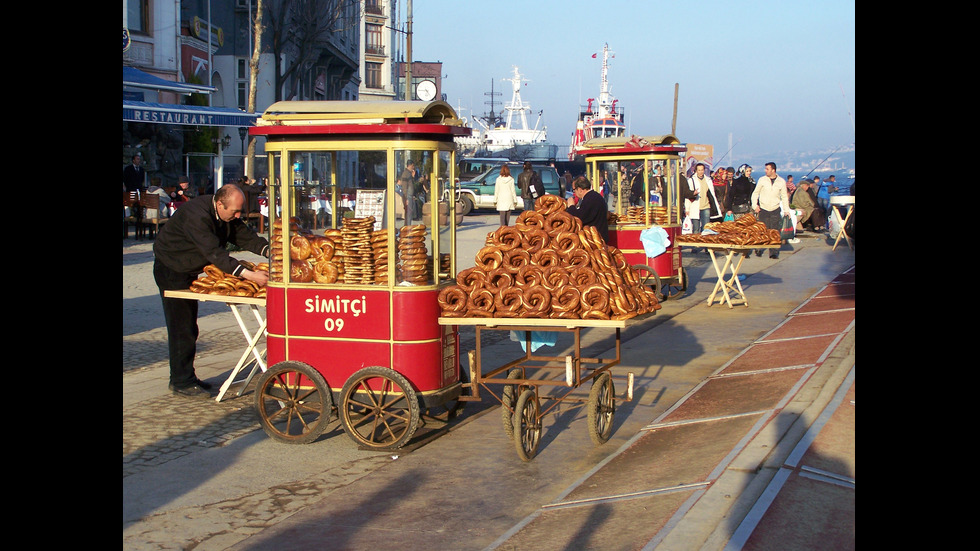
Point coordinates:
[(223, 142), (242, 132)]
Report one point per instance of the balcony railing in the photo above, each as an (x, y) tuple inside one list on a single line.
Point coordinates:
[(374, 50)]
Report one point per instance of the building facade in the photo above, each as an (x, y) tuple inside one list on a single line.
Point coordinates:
[(193, 119)]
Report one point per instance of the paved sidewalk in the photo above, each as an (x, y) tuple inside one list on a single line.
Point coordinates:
[(465, 489)]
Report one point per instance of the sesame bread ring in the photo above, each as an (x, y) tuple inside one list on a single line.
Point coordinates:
[(529, 220), (549, 204), (506, 238), (515, 259), (537, 301), (490, 258), (300, 271), (471, 278), (535, 240), (299, 248), (326, 272), (214, 271), (452, 300)]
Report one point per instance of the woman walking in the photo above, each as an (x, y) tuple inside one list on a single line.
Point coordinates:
[(504, 195)]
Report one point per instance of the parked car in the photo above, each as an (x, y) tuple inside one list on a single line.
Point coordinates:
[(471, 167), (478, 193)]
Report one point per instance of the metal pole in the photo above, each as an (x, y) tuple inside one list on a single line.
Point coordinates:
[(408, 64), (209, 52), (673, 124)]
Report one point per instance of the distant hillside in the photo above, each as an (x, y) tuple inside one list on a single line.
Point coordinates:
[(799, 163)]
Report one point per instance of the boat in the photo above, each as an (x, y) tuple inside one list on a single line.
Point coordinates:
[(508, 136), (602, 118)]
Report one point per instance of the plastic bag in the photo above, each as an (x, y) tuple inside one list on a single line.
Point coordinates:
[(789, 229), (655, 241), (728, 217)]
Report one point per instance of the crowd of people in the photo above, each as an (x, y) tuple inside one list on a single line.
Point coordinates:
[(729, 194), (135, 179)]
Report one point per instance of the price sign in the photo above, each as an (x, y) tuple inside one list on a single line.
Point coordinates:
[(370, 202)]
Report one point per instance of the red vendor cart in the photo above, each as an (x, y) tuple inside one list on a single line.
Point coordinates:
[(352, 298), (655, 162)]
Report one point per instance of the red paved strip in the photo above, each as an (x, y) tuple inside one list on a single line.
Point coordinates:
[(813, 324), (770, 355), (735, 395)]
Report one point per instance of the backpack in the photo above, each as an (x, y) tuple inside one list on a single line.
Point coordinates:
[(535, 186)]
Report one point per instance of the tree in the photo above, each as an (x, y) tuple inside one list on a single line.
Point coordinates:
[(300, 29), (253, 79)]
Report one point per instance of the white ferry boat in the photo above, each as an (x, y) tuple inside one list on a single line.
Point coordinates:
[(509, 135)]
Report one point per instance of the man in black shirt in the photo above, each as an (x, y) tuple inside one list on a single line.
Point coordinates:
[(195, 237), (591, 207)]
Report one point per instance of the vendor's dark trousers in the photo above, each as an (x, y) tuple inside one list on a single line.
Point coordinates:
[(774, 221), (181, 317)]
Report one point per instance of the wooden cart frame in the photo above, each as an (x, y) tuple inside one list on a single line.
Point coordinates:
[(524, 402)]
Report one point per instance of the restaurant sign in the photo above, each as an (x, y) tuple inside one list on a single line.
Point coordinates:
[(187, 115)]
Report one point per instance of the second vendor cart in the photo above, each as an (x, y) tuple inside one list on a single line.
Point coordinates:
[(351, 302), (651, 165)]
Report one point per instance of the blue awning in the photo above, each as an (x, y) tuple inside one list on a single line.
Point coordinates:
[(165, 113), (135, 78)]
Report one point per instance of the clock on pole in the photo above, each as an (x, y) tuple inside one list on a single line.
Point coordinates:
[(425, 90)]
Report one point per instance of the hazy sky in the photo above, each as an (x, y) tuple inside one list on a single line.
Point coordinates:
[(775, 75)]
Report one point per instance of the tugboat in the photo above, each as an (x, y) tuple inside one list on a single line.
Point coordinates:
[(601, 119), (509, 136)]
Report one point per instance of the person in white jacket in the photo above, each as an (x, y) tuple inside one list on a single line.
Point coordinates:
[(504, 195), (769, 201)]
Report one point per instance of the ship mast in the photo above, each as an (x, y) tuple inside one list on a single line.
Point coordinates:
[(604, 108), (516, 105)]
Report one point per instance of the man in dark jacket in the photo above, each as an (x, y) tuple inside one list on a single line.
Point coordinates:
[(134, 175), (195, 237), (591, 207), (529, 182)]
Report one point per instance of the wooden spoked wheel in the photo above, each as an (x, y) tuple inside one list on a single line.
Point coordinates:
[(379, 408), (508, 398), (648, 276), (674, 289), (294, 403), (527, 424), (602, 406)]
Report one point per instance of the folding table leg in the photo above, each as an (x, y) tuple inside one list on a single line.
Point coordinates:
[(252, 341)]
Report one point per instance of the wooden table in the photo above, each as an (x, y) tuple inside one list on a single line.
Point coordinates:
[(731, 284), (835, 203), (252, 338)]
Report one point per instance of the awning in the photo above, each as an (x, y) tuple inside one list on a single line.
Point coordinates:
[(166, 113), (135, 78)]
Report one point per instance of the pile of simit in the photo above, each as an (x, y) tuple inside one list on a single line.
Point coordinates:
[(548, 265)]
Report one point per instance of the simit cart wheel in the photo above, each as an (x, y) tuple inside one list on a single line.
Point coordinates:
[(648, 276), (507, 400), (602, 406), (677, 289), (294, 403), (527, 425), (379, 408)]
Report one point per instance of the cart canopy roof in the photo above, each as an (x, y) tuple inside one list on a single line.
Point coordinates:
[(637, 142), (359, 112)]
